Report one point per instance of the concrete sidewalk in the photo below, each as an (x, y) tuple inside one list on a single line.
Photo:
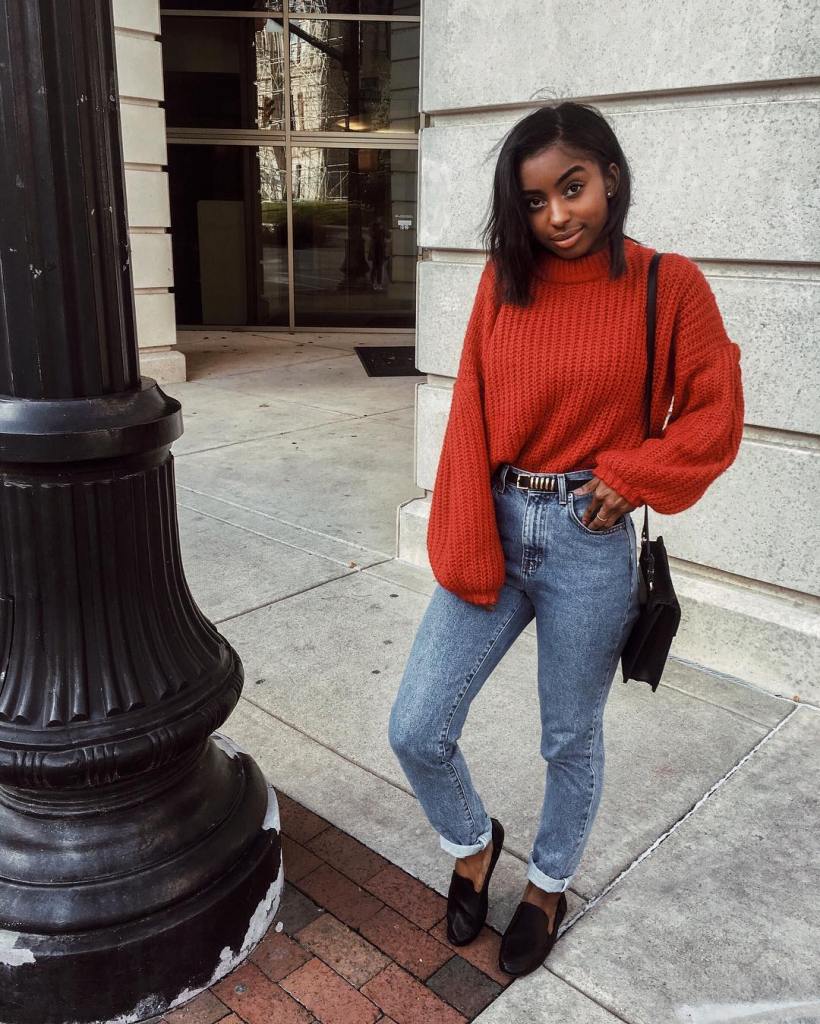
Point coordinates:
[(696, 897)]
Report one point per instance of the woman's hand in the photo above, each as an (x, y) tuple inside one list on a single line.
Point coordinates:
[(606, 505)]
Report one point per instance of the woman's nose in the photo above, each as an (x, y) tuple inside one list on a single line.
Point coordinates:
[(558, 214)]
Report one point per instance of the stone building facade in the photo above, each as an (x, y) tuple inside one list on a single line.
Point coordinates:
[(716, 107)]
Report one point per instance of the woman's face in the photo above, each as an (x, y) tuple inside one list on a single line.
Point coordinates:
[(564, 195)]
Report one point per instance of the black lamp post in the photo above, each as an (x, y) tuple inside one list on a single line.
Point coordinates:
[(139, 859)]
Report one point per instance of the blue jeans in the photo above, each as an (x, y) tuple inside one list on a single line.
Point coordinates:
[(581, 586)]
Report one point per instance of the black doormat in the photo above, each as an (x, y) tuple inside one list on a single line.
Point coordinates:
[(388, 360)]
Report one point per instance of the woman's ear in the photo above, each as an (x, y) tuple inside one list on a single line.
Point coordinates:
[(612, 178)]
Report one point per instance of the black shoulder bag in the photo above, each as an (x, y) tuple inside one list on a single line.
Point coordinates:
[(647, 646)]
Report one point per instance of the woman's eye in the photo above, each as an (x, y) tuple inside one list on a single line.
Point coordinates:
[(577, 186)]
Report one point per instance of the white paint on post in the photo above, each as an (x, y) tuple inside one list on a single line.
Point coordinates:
[(225, 743), (11, 954), (271, 820), (229, 960)]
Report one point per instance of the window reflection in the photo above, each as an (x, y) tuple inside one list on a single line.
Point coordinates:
[(384, 7), (224, 72), (270, 75), (354, 236), (353, 229), (403, 7), (229, 234), (222, 5), (345, 75), (354, 76)]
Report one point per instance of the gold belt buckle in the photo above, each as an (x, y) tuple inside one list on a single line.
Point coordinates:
[(538, 482)]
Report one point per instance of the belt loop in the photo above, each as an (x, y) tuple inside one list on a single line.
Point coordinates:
[(562, 489)]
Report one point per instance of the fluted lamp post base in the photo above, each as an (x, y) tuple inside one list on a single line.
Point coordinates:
[(139, 859), (166, 885)]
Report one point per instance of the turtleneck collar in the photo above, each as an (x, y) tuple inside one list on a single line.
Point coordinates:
[(556, 269)]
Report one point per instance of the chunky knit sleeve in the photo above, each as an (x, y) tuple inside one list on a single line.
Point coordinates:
[(463, 543), (702, 438)]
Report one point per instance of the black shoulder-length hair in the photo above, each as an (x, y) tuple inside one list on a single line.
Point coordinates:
[(507, 236)]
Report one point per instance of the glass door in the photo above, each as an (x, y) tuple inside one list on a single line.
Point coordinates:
[(293, 169)]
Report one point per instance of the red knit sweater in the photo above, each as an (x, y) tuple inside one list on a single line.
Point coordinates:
[(560, 386)]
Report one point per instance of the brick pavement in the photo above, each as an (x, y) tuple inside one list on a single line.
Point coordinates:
[(356, 941)]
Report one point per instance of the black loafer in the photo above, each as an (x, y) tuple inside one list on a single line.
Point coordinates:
[(527, 940), (466, 908)]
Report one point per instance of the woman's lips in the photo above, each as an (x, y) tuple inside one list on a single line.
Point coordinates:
[(565, 243)]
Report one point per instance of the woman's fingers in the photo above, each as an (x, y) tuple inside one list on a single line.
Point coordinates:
[(605, 507), (600, 516), (594, 516)]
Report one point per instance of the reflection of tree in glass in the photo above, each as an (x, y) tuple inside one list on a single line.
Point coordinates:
[(355, 7), (375, 83), (308, 73), (341, 76), (272, 172), (272, 192), (270, 75)]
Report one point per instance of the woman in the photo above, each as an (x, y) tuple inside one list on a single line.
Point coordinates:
[(543, 458)]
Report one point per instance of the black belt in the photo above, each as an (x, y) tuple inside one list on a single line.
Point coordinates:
[(540, 481)]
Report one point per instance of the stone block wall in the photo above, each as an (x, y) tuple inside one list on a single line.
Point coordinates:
[(139, 72), (717, 111)]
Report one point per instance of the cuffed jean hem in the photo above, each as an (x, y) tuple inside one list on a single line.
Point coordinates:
[(546, 882), (465, 851)]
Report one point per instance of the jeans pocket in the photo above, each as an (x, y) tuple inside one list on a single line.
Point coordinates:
[(578, 504)]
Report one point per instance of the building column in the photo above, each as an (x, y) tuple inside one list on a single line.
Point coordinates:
[(139, 70)]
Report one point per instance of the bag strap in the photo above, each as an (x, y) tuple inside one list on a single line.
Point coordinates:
[(651, 304)]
